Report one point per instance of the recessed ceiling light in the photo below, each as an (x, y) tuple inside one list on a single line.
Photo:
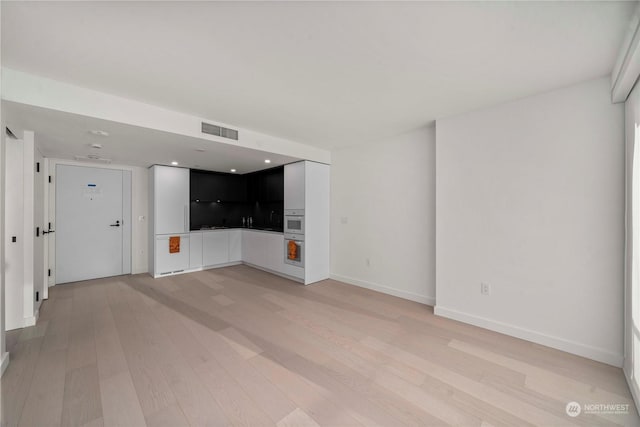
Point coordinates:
[(174, 163), (267, 161), (97, 132), (233, 170)]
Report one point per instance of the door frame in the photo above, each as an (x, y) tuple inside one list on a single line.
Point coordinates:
[(127, 235), (40, 221)]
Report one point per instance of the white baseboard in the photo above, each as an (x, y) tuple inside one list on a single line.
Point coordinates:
[(193, 270), (594, 353), (4, 363), (424, 299), (24, 322), (633, 386), (277, 273), (31, 321)]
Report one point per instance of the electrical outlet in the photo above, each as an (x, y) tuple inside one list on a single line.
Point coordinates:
[(485, 289)]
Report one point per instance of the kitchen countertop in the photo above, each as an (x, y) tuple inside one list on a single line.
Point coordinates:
[(264, 229)]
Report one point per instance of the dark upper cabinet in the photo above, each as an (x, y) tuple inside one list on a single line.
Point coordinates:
[(206, 186), (196, 186), (235, 188), (263, 186), (212, 186), (253, 191), (274, 185), (266, 186)]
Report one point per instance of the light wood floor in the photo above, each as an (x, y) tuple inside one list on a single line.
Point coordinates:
[(237, 346)]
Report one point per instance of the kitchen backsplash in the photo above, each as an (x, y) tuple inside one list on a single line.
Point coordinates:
[(229, 214)]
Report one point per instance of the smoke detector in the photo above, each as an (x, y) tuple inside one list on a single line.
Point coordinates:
[(98, 132), (97, 146)]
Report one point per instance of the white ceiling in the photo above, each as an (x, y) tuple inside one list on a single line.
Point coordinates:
[(328, 74), (65, 135)]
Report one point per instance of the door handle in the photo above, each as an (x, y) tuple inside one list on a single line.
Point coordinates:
[(49, 230), (117, 224)]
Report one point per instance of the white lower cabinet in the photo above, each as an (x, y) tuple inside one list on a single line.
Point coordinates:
[(166, 262), (293, 271), (215, 247), (195, 250), (266, 250), (274, 256), (235, 245), (251, 247), (203, 249)]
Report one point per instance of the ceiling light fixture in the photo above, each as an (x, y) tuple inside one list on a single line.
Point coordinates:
[(174, 163), (267, 161), (97, 132), (233, 171)]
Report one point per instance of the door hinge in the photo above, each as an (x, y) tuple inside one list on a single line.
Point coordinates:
[(37, 231), (49, 179), (38, 167), (49, 273), (37, 296)]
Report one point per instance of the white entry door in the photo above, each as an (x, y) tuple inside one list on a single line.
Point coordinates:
[(92, 223)]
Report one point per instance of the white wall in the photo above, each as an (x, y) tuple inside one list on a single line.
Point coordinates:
[(385, 192), (632, 262), (139, 208), (4, 357), (530, 199), (19, 223)]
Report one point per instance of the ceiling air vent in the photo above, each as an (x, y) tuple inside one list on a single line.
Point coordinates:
[(219, 131)]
